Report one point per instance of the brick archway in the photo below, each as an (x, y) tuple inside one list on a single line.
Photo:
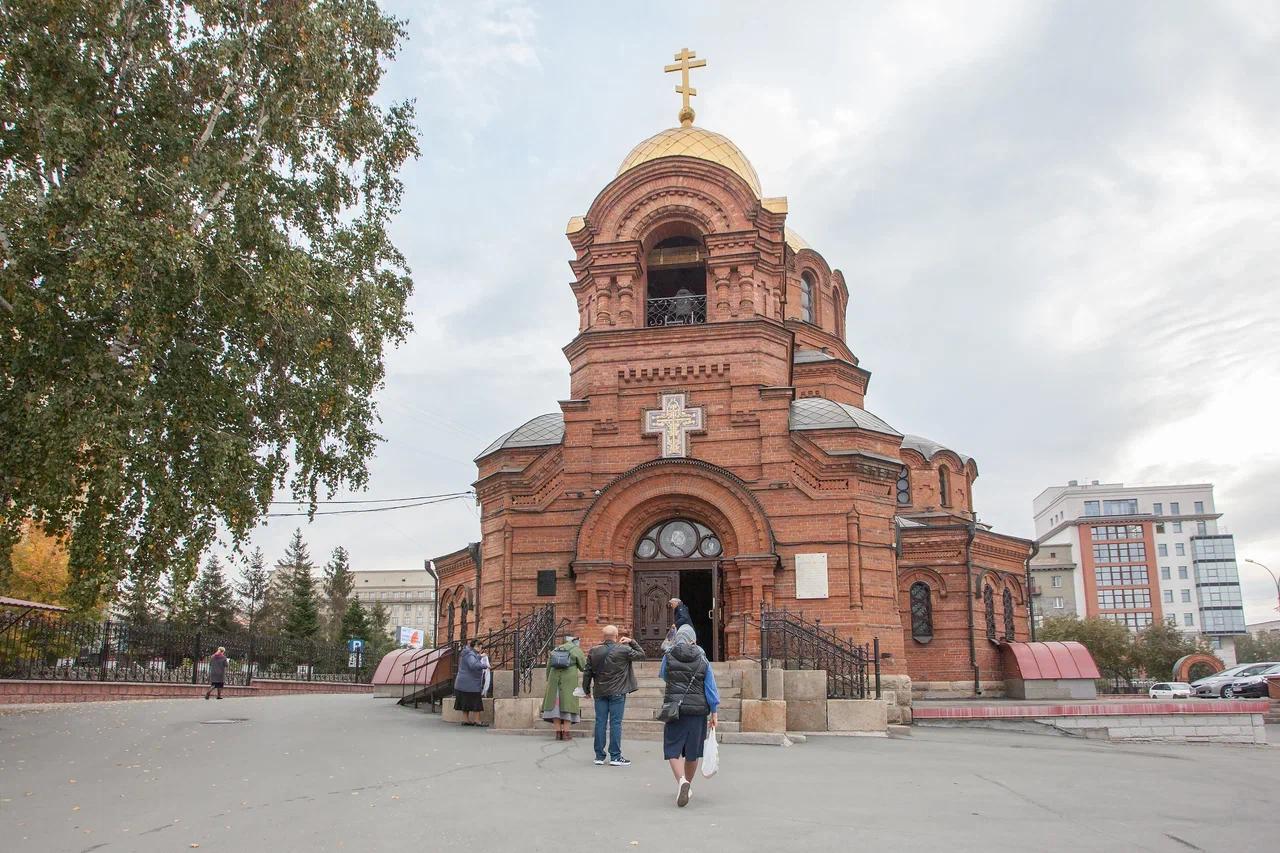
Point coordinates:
[(1182, 669), (668, 488), (657, 491)]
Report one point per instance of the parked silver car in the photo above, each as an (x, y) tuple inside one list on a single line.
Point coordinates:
[(1251, 686), (1219, 684)]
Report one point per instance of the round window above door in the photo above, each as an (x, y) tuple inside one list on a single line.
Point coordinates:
[(678, 539)]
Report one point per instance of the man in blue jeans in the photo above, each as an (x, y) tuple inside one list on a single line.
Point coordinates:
[(609, 666)]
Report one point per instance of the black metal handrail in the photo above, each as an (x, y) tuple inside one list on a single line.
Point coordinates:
[(683, 310), (801, 644)]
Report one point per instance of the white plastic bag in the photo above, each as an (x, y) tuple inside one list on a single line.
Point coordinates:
[(710, 755)]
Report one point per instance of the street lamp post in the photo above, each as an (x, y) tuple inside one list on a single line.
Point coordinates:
[(1273, 577)]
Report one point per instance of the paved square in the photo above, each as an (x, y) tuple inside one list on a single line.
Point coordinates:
[(355, 773)]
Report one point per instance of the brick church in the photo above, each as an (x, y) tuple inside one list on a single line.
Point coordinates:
[(716, 446)]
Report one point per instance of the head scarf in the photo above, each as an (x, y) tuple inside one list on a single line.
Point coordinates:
[(686, 634)]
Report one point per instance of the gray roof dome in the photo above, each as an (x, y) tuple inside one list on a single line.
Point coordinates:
[(544, 430), (928, 448), (821, 413)]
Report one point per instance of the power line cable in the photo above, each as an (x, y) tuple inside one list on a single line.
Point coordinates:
[(379, 500), (369, 509)]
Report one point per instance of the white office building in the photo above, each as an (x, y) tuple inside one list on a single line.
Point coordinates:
[(1148, 553)]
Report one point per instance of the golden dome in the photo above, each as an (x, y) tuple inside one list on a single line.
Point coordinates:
[(694, 142), (794, 240)]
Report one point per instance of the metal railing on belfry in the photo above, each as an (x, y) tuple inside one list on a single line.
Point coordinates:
[(798, 643)]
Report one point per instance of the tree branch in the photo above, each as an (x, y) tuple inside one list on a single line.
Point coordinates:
[(255, 144)]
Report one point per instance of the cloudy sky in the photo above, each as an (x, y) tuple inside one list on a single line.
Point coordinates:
[(1059, 222)]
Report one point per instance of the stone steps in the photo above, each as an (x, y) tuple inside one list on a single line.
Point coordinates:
[(728, 713)]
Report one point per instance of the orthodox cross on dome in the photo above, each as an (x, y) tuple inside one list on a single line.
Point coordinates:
[(672, 423), (683, 65)]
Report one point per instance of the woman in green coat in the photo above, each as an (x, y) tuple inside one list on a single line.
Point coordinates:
[(560, 705)]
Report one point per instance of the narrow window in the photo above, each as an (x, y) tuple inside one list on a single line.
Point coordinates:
[(1007, 601), (806, 298), (944, 486), (989, 605), (921, 613)]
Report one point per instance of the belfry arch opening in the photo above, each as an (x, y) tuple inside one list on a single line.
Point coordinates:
[(676, 282), (678, 558)]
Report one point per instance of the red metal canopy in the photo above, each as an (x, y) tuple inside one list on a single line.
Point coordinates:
[(1052, 660)]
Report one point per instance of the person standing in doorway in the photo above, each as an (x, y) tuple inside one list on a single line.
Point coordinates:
[(560, 704), (679, 616), (609, 666), (217, 672), (468, 684), (692, 684)]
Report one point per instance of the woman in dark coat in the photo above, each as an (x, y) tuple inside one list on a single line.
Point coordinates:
[(217, 672), (690, 682), (468, 684)]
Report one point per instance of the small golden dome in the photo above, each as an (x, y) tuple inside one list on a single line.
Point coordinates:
[(694, 142)]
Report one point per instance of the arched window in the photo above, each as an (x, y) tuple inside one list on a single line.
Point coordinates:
[(921, 613), (904, 486), (677, 283), (1008, 615), (678, 539), (989, 605), (944, 485), (806, 297)]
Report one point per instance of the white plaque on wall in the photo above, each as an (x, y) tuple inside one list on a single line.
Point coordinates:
[(811, 575)]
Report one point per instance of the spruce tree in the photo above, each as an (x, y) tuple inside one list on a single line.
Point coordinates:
[(252, 588), (211, 605), (177, 586), (338, 582), (302, 616), (138, 598), (355, 622), (378, 642)]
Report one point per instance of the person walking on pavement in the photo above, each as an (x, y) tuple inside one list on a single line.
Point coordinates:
[(560, 704), (692, 684), (609, 666), (217, 672)]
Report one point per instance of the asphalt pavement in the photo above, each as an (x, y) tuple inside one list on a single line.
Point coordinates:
[(353, 773)]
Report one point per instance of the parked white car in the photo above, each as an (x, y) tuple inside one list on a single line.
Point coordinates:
[(1170, 690)]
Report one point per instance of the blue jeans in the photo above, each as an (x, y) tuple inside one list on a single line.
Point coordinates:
[(609, 710)]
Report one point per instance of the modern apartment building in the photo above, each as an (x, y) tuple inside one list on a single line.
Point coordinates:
[(1147, 553), (1053, 582)]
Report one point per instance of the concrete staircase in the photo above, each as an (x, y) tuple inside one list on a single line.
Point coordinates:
[(638, 722)]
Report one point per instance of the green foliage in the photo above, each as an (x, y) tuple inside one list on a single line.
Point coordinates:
[(1110, 644), (379, 641), (337, 584), (301, 615), (139, 597), (251, 589), (211, 601), (1252, 648), (196, 282), (1157, 648), (355, 622), (1121, 654)]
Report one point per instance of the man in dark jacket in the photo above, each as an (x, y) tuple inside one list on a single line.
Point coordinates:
[(609, 666), (680, 613)]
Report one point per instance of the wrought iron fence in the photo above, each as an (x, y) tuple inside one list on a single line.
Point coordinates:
[(53, 647), (800, 644), (685, 310)]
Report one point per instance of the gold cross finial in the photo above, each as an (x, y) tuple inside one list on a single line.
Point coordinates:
[(683, 65)]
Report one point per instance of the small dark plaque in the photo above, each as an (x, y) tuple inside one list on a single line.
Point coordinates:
[(547, 582)]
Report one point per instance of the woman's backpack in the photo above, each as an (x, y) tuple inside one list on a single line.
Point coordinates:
[(560, 659)]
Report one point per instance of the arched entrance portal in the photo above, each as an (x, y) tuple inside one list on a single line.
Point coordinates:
[(678, 558)]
